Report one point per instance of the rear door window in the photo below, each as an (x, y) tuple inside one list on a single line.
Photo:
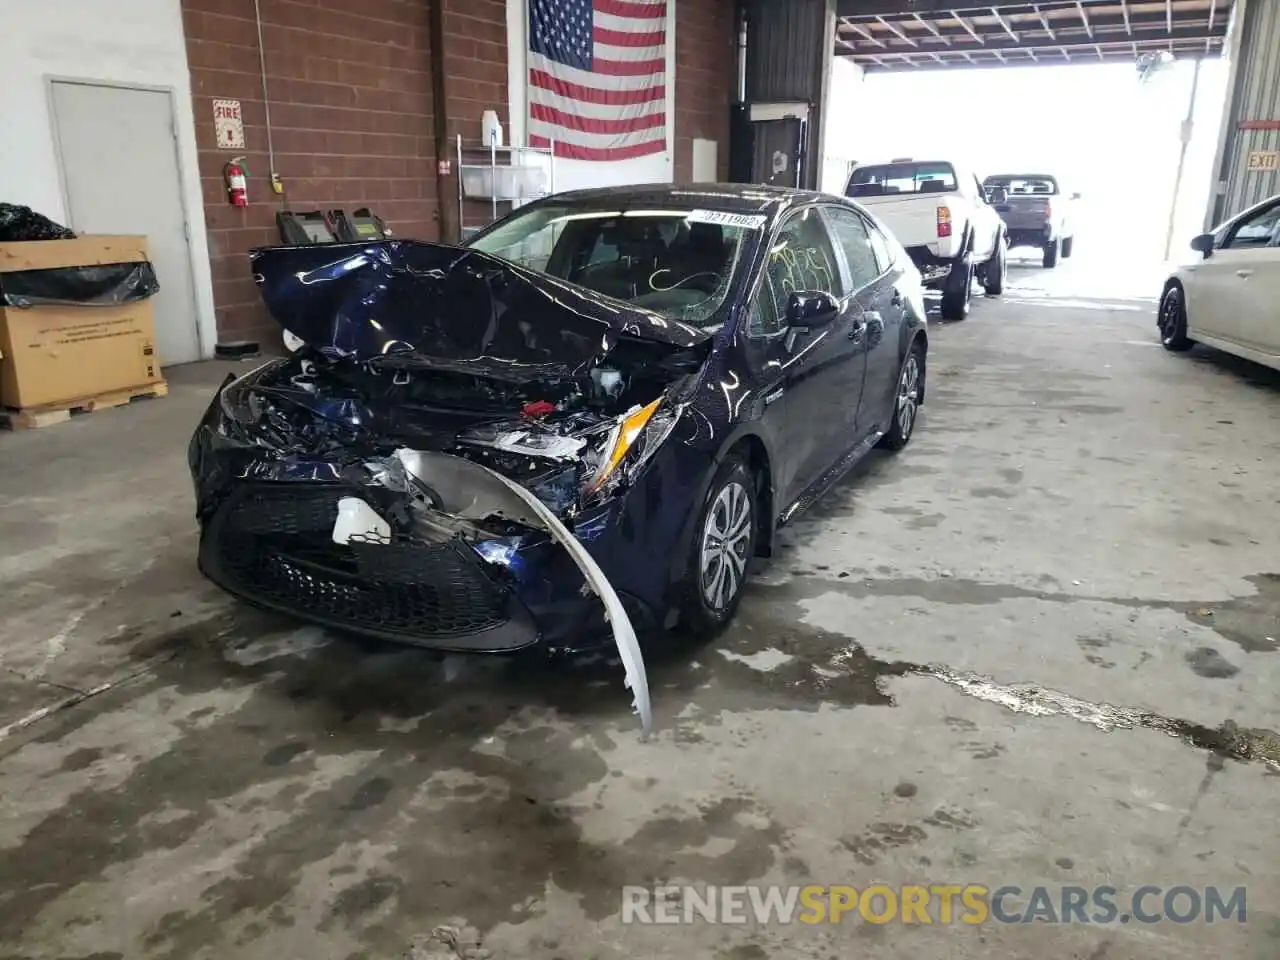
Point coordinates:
[(880, 247), (854, 237)]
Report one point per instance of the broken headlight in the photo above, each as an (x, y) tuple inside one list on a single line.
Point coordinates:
[(238, 400), (635, 438)]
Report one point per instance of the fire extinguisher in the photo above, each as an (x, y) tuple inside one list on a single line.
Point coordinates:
[(235, 173)]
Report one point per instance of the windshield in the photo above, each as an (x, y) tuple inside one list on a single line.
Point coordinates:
[(887, 178), (1022, 183), (677, 262)]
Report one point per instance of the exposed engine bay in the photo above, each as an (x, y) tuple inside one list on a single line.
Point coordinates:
[(570, 441)]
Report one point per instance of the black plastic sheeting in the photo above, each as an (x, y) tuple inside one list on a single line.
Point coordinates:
[(19, 224), (106, 285)]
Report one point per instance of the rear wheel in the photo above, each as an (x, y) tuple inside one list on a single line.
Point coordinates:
[(907, 403), (723, 543), (1051, 253), (956, 289), (995, 269), (1067, 245), (1172, 320)]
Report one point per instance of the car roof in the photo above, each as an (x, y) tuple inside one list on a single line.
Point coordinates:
[(736, 197)]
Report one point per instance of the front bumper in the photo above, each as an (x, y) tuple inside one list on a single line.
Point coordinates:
[(266, 537), (271, 544)]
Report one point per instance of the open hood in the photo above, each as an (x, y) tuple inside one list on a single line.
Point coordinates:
[(416, 304)]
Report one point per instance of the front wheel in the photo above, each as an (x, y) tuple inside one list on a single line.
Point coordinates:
[(723, 544), (907, 403), (956, 289), (993, 274), (1172, 321)]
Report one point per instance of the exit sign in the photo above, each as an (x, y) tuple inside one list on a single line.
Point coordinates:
[(1263, 160)]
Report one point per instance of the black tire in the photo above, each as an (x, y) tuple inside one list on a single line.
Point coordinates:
[(1067, 246), (1051, 254), (995, 269), (957, 289), (1171, 320), (907, 399), (699, 615)]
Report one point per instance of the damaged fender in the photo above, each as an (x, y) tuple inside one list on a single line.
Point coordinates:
[(624, 634)]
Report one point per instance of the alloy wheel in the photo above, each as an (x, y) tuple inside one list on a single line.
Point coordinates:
[(908, 395), (726, 540), (1169, 310)]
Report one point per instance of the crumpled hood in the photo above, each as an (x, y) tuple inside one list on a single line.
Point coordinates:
[(414, 303)]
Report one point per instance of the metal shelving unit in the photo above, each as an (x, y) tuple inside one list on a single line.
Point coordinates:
[(501, 175)]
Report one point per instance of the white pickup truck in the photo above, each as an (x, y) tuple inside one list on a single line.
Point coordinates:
[(939, 212)]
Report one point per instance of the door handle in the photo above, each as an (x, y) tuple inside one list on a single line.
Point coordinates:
[(859, 327), (1244, 274)]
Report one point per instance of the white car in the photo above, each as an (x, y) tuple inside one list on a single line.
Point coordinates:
[(940, 213), (1229, 297)]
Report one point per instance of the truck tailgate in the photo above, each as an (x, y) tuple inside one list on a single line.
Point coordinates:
[(913, 217), (1025, 213)]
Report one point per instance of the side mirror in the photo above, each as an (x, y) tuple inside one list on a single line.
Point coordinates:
[(997, 195), (1203, 244), (810, 308)]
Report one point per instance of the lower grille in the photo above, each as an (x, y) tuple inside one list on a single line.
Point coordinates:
[(274, 544)]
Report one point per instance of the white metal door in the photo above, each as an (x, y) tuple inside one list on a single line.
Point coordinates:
[(120, 169)]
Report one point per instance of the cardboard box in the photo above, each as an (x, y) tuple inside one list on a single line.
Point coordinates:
[(55, 354), (88, 251)]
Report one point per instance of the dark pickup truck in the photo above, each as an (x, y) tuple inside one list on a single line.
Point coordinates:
[(1036, 212)]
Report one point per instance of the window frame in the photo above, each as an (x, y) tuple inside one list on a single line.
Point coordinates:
[(874, 232)]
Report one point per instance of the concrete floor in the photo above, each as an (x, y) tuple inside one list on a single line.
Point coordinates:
[(1031, 649)]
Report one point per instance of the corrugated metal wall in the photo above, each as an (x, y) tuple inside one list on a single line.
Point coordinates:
[(786, 49), (789, 49), (1255, 97)]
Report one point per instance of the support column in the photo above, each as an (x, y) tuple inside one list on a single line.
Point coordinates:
[(777, 136)]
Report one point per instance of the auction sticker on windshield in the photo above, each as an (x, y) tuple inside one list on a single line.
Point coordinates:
[(748, 221)]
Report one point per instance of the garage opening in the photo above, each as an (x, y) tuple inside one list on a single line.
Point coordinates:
[(1120, 103)]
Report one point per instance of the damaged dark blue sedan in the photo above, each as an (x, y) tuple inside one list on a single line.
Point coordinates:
[(587, 419)]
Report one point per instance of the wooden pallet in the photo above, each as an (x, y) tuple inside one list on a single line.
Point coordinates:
[(29, 418)]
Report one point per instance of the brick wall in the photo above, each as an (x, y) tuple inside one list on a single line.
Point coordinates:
[(706, 72), (352, 113), (350, 92), (475, 36), (475, 41)]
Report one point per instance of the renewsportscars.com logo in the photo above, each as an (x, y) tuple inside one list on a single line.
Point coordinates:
[(930, 904)]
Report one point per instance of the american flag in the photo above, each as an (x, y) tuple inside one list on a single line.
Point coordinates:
[(598, 77)]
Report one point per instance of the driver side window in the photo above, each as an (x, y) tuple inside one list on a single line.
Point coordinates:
[(800, 259), (1260, 230)]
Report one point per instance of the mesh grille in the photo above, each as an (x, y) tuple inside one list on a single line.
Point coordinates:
[(276, 545)]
